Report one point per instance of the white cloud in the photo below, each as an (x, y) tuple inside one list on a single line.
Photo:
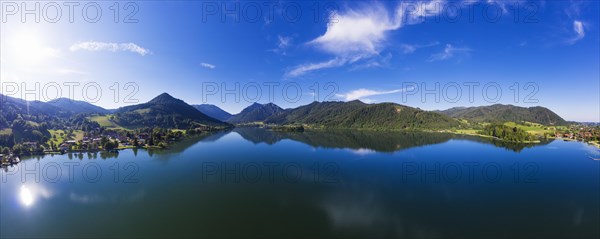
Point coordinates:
[(283, 44), (303, 69), (579, 32), (109, 46), (207, 65), (448, 53), (415, 12), (358, 34), (408, 48), (505, 5), (501, 4), (379, 62), (360, 94), (578, 28)]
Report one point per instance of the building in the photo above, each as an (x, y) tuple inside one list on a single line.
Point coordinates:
[(64, 147), (29, 144)]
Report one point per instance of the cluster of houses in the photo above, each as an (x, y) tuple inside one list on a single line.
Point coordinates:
[(585, 134), (95, 141), (8, 159)]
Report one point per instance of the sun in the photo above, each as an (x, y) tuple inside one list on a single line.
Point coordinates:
[(28, 48)]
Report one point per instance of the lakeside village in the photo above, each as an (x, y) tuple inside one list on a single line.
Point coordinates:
[(77, 141)]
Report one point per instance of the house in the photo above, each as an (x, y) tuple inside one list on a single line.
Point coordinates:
[(143, 136), (29, 144), (63, 147)]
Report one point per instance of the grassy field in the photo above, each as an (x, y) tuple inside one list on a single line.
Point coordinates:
[(61, 136), (532, 128), (6, 131), (34, 124), (104, 121), (467, 131), (78, 135), (57, 133)]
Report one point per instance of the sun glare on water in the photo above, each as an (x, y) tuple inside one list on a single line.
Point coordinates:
[(26, 196)]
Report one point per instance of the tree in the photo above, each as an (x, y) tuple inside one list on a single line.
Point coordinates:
[(17, 149), (110, 145)]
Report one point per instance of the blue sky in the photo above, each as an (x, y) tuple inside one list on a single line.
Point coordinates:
[(373, 51)]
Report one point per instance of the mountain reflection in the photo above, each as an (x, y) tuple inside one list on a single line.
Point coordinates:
[(366, 141)]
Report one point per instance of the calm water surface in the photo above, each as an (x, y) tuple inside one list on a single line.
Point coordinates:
[(258, 183)]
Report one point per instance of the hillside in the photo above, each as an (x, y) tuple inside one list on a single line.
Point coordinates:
[(356, 114), (12, 109), (213, 111), (77, 107), (506, 113), (164, 111), (18, 106), (255, 113)]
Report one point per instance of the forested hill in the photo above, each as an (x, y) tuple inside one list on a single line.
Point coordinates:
[(164, 111), (499, 113), (356, 114)]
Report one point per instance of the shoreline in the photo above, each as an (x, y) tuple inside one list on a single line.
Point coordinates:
[(490, 137), (309, 128)]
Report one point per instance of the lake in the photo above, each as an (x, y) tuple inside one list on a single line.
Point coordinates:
[(252, 182)]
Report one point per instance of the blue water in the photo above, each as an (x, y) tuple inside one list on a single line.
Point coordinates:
[(258, 183)]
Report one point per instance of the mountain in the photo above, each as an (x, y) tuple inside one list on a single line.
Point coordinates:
[(77, 107), (505, 113), (25, 120), (213, 111), (12, 109), (58, 107), (164, 111), (14, 105), (255, 113), (356, 114)]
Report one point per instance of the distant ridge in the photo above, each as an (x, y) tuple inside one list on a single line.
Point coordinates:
[(213, 111), (76, 106), (255, 113), (19, 106)]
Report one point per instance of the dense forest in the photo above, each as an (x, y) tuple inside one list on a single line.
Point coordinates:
[(166, 112), (505, 113), (356, 114)]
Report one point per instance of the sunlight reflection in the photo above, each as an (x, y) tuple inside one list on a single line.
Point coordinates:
[(29, 194), (26, 196)]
